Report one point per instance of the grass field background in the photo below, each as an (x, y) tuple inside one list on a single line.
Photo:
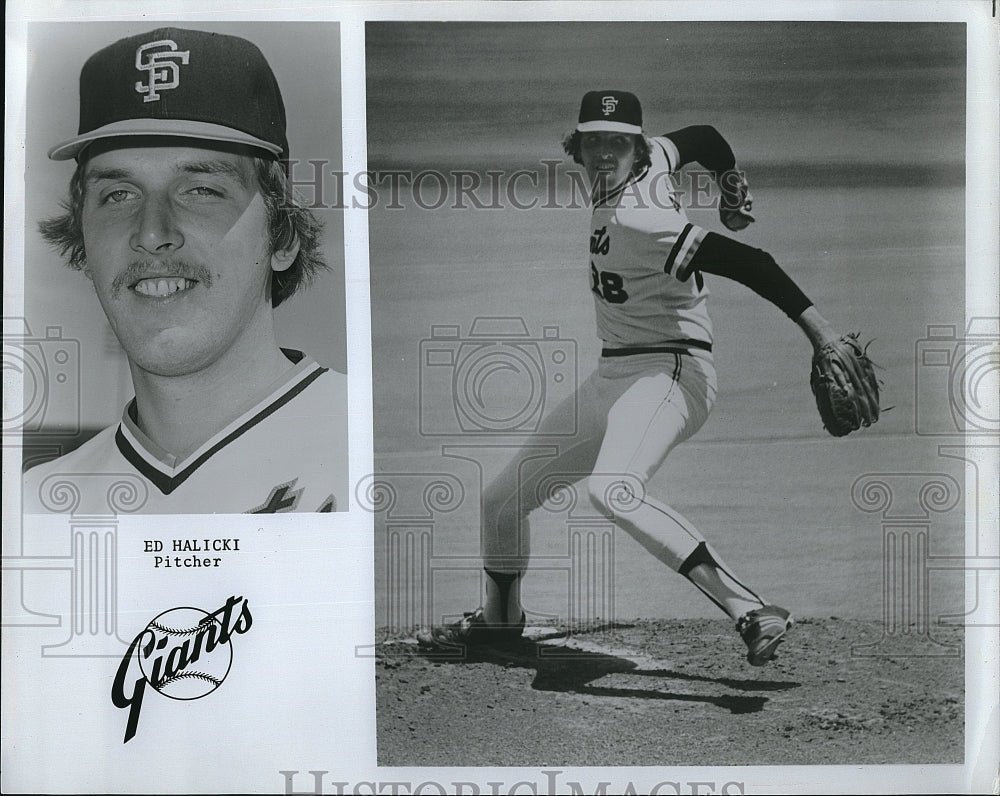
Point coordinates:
[(852, 137)]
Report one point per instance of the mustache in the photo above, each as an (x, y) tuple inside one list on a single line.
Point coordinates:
[(171, 267)]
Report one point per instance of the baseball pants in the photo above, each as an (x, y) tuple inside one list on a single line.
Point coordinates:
[(630, 413)]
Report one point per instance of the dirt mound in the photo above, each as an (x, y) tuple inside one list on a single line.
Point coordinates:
[(676, 692)]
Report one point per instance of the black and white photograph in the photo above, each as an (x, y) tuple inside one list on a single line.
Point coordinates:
[(499, 397), (177, 341), (669, 467), (175, 321)]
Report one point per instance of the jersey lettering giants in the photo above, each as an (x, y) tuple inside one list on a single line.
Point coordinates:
[(641, 245)]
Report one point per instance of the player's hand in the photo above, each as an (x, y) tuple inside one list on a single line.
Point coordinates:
[(736, 202)]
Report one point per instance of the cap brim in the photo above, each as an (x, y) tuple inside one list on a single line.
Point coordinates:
[(182, 128), (611, 127)]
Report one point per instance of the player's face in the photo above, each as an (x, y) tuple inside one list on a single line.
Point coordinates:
[(177, 247), (607, 156)]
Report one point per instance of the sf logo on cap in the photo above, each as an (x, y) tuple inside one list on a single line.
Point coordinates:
[(608, 105), (161, 60)]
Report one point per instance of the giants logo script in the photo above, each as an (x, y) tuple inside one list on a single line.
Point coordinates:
[(608, 105), (184, 653), (160, 59)]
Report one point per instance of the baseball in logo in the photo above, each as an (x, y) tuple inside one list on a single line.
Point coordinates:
[(608, 105), (184, 653)]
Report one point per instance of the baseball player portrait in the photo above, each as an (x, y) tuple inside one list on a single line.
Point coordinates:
[(655, 383), (182, 217)]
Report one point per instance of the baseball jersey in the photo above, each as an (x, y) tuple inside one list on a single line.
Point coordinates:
[(284, 453), (641, 246)]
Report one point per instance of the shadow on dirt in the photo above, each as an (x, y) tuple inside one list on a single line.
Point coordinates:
[(572, 670)]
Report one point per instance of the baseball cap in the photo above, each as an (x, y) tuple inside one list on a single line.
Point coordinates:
[(176, 82), (614, 111)]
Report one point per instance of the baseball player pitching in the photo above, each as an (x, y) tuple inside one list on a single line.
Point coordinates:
[(182, 217), (655, 383)]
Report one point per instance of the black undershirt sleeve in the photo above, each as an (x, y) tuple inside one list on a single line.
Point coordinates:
[(752, 267), (704, 144)]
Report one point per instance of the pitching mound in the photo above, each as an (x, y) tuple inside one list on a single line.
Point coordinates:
[(676, 692)]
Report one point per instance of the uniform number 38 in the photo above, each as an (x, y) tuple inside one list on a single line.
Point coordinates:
[(608, 285)]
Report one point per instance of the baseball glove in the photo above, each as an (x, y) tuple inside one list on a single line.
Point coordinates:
[(737, 201), (844, 383)]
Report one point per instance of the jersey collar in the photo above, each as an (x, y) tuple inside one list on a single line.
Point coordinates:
[(164, 469), (597, 198)]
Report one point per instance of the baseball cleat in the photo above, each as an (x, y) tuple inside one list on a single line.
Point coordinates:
[(471, 630), (763, 629)]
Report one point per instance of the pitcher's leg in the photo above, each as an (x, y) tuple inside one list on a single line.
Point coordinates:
[(656, 413), (511, 497)]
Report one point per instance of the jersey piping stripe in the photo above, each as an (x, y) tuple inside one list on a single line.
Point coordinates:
[(683, 251), (167, 482), (667, 153), (687, 253), (674, 380), (676, 248)]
